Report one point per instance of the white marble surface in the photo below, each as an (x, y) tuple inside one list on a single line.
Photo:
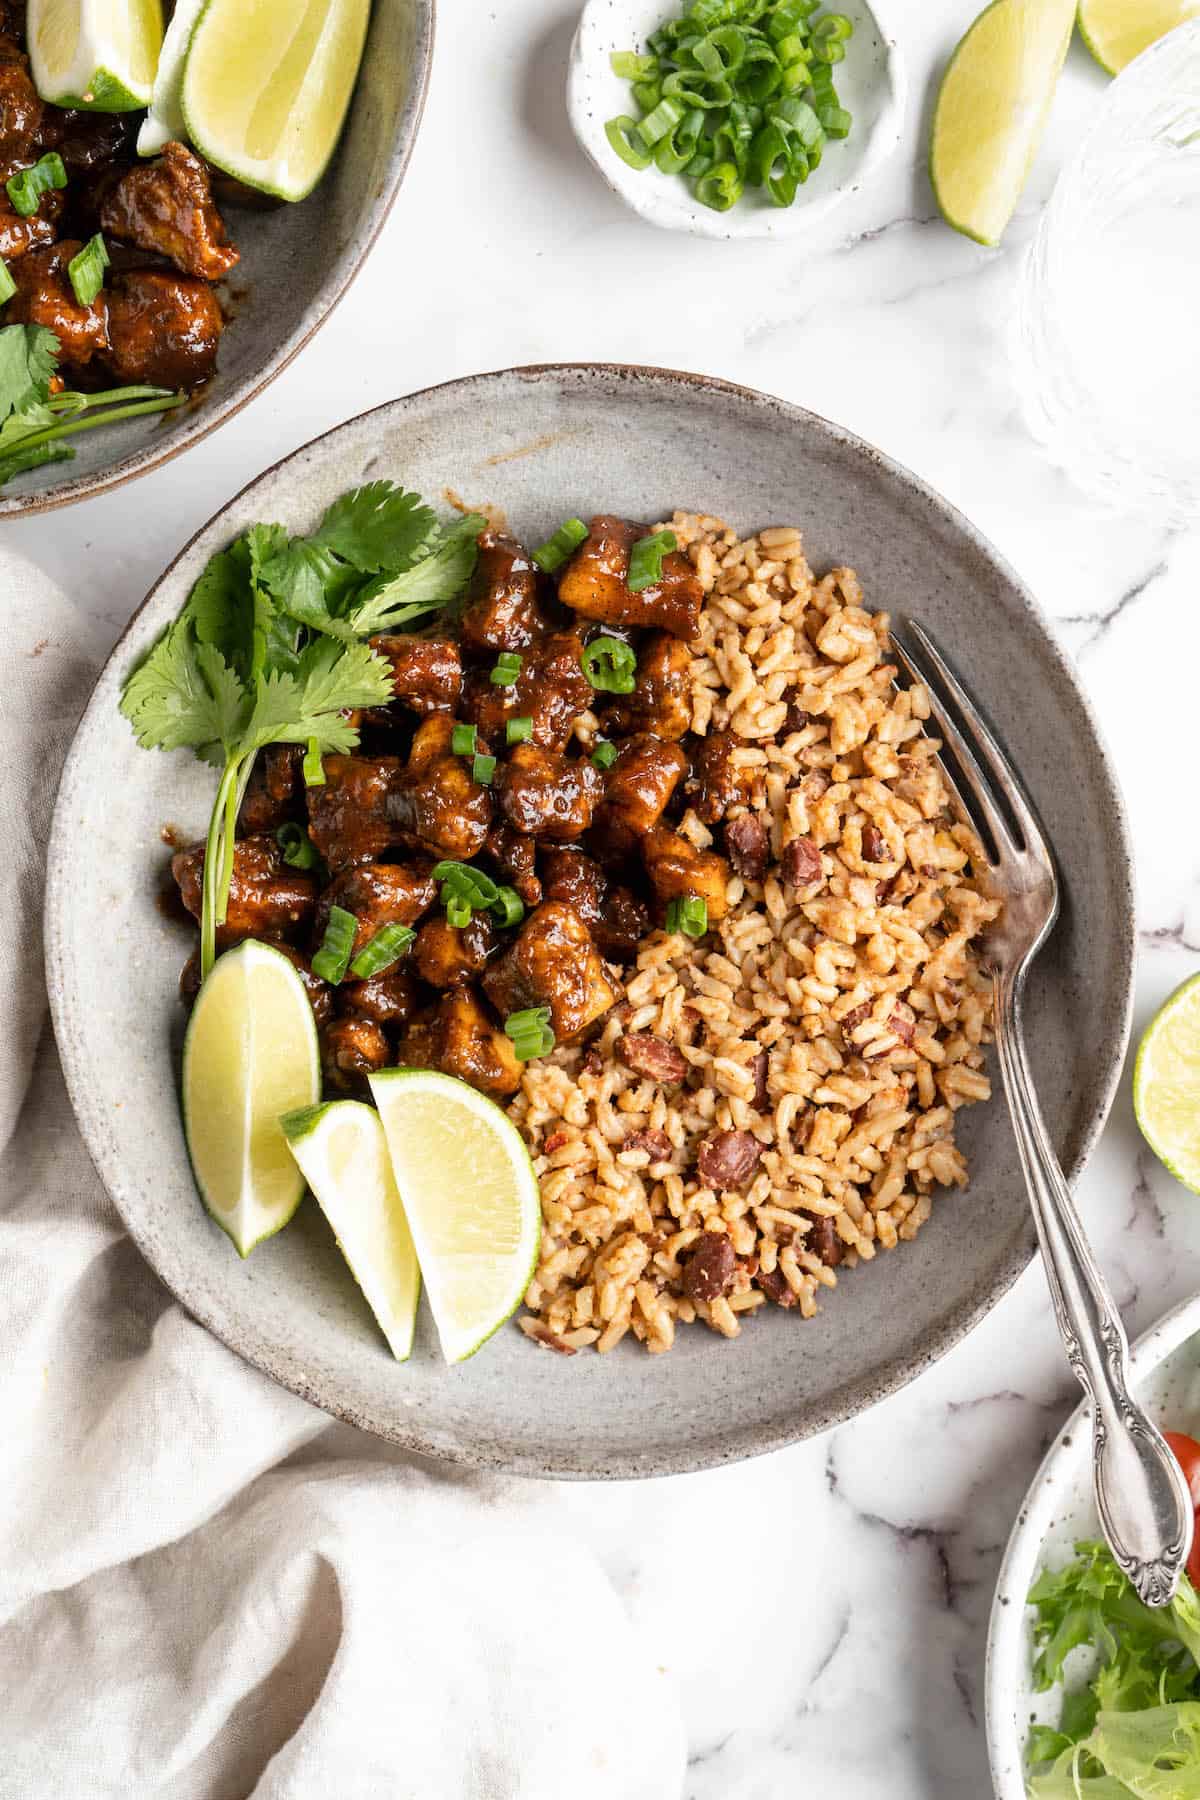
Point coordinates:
[(844, 1658)]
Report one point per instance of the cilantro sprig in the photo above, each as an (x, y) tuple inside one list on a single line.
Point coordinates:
[(34, 421), (271, 649)]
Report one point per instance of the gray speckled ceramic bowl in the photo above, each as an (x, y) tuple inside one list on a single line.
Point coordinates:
[(1059, 1508), (546, 444), (297, 262)]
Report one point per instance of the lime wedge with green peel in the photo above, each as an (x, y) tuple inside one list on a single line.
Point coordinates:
[(1166, 1084), (1115, 31), (991, 109), (164, 122), (266, 86), (250, 1055), (97, 54), (470, 1196), (343, 1155)]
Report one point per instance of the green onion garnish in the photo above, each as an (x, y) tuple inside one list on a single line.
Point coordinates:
[(458, 911), (461, 879), (385, 948), (610, 665), (530, 1032), (704, 83), (646, 560), (333, 958), (518, 731), (8, 286), (314, 768), (299, 851), (688, 915), (604, 755), (508, 667), (26, 187), (554, 552), (86, 270), (625, 138), (482, 769), (508, 906), (462, 740)]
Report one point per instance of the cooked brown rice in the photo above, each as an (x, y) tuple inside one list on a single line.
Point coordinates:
[(863, 987)]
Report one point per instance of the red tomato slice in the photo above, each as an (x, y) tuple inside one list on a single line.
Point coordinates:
[(1186, 1452)]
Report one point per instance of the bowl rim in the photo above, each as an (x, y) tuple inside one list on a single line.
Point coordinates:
[(1056, 1475), (144, 462), (743, 1442)]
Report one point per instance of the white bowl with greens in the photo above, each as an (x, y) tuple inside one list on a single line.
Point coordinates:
[(1077, 1680), (868, 94)]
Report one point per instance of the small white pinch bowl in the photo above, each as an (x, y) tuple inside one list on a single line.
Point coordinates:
[(870, 84)]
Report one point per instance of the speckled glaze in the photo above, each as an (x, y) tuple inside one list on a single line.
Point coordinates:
[(296, 263), (870, 83), (546, 443), (1058, 1509)]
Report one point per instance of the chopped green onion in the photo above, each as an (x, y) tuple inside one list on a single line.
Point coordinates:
[(385, 948), (458, 911), (604, 755), (721, 188), (518, 731), (530, 1032), (299, 851), (333, 958), (462, 740), (508, 906), (483, 768), (688, 915), (664, 118), (86, 270), (8, 286), (646, 560), (26, 187), (314, 768), (626, 139), (630, 66), (702, 84), (508, 667), (566, 540), (461, 879), (610, 665)]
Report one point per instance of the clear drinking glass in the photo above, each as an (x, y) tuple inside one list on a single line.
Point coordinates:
[(1108, 321)]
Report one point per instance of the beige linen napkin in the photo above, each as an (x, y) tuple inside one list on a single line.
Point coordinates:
[(207, 1591)]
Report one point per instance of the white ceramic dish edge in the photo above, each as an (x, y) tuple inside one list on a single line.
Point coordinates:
[(1057, 1509), (870, 81)]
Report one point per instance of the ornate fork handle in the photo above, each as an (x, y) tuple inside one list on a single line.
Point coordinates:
[(1141, 1495)]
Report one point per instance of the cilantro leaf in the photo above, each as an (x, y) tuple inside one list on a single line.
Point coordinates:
[(185, 696), (430, 585), (309, 583), (377, 527), (28, 358), (330, 680), (220, 606)]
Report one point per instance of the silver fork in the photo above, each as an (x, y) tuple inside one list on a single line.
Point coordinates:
[(1142, 1498)]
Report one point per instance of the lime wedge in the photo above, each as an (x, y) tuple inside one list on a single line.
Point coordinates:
[(1115, 31), (992, 105), (266, 86), (471, 1197), (1166, 1084), (164, 122), (97, 54), (344, 1157), (250, 1055)]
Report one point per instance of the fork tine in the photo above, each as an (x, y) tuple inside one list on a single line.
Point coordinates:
[(968, 766), (989, 751)]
